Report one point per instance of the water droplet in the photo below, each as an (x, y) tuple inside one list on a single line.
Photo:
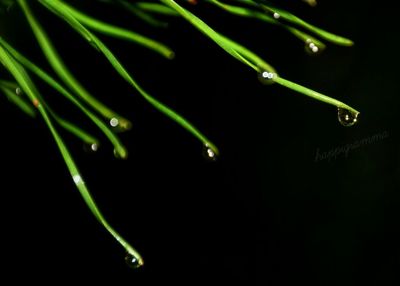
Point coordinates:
[(311, 48), (120, 124), (132, 261), (276, 15), (91, 147), (346, 117), (78, 179), (209, 153), (114, 122), (266, 77), (18, 91)]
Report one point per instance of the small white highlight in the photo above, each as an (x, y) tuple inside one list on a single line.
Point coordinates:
[(267, 75), (210, 153), (313, 47), (94, 147), (77, 179), (276, 16), (18, 91), (114, 122)]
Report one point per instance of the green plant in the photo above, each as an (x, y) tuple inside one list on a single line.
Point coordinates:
[(17, 82)]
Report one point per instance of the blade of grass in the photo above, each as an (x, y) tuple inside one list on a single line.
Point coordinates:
[(234, 46), (253, 14), (9, 88), (156, 8), (17, 100), (62, 71), (208, 31), (115, 141), (24, 81), (65, 15), (143, 15), (121, 33), (290, 18), (313, 94)]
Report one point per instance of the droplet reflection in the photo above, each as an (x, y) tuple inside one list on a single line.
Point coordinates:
[(18, 91), (209, 153), (114, 122), (312, 48), (266, 77), (346, 117), (132, 261), (91, 147)]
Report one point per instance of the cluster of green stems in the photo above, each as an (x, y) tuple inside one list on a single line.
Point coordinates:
[(17, 79)]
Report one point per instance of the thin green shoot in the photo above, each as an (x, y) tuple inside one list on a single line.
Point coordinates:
[(115, 141), (66, 16), (117, 32), (63, 72), (26, 84)]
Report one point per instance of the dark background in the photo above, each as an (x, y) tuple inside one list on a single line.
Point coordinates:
[(267, 212)]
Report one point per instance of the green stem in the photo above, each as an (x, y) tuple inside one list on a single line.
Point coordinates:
[(62, 71)]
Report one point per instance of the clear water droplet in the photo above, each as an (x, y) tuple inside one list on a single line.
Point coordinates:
[(276, 15), (346, 117), (120, 124), (312, 48), (114, 122), (266, 77), (91, 147), (18, 91), (132, 261), (78, 179), (209, 153)]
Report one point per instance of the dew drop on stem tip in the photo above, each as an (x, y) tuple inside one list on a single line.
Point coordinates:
[(91, 147), (311, 48), (18, 91), (209, 153), (346, 117), (266, 77), (114, 122), (132, 261)]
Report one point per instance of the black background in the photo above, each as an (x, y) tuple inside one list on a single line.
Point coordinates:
[(267, 212)]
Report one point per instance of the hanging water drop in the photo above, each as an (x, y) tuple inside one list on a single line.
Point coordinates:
[(209, 153), (114, 122), (346, 117), (266, 77), (311, 48), (18, 91), (276, 15), (91, 147), (132, 261)]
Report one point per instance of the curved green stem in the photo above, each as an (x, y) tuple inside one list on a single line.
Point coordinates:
[(118, 146), (62, 71), (118, 32), (20, 75), (66, 16), (313, 94)]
